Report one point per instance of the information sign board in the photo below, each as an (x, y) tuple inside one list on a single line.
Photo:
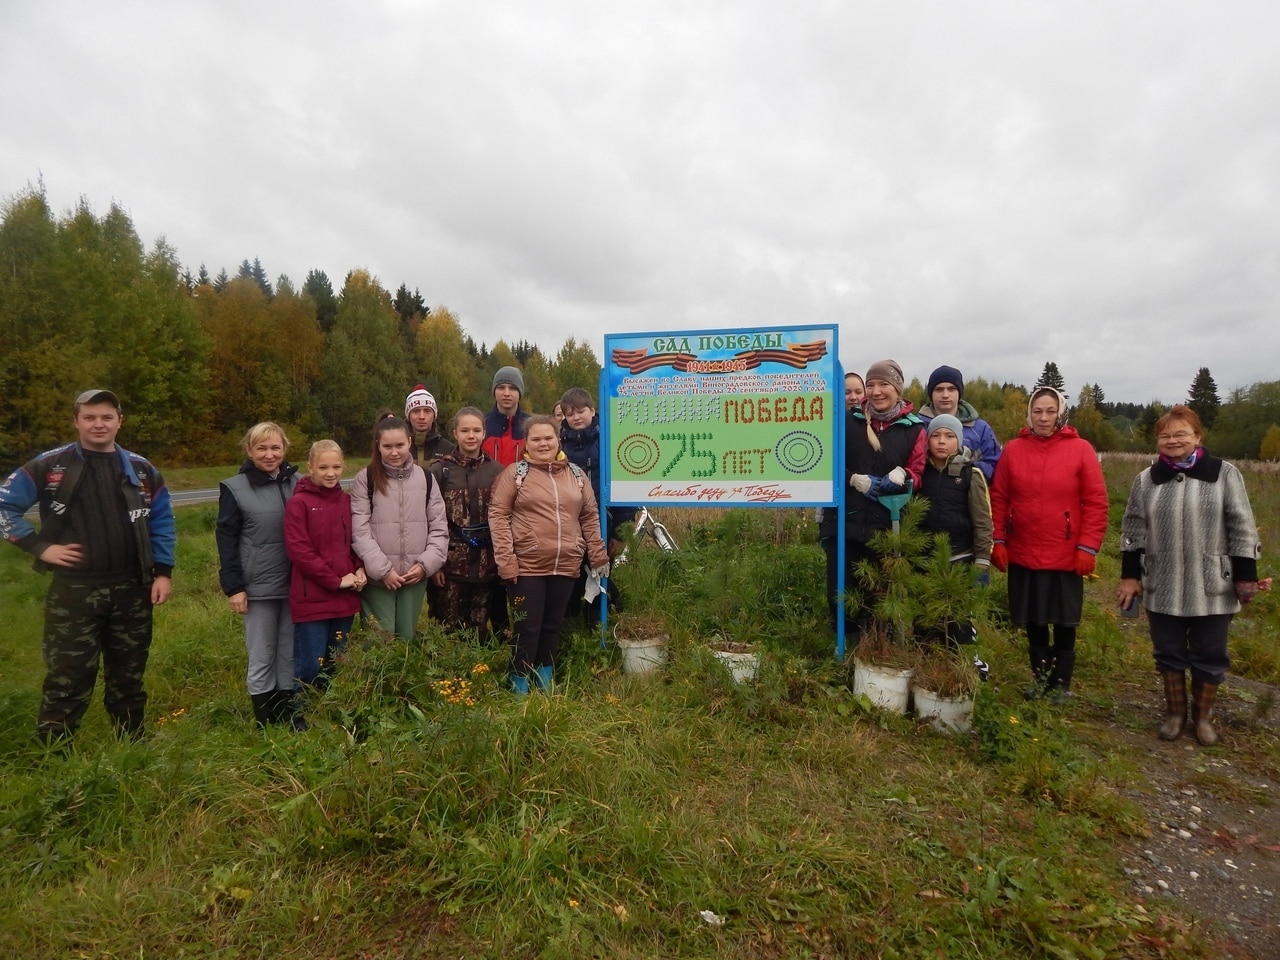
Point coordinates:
[(729, 417)]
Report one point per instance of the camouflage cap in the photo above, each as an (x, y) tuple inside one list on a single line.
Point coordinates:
[(97, 396)]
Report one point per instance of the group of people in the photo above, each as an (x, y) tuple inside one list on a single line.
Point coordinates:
[(498, 527), (945, 453), (488, 530), (492, 528), (1036, 509)]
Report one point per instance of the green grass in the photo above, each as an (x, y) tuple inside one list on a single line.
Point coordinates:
[(599, 821)]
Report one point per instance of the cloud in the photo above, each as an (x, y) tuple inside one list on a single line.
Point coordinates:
[(992, 185)]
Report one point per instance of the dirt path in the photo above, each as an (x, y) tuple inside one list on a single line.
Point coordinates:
[(1213, 813)]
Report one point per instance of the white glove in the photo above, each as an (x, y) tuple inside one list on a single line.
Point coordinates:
[(897, 476), (860, 482), (595, 585)]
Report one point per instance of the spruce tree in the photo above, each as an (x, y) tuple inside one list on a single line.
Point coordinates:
[(259, 275), (523, 351), (1052, 378), (255, 272), (1147, 421), (1203, 398), (409, 306), (320, 290)]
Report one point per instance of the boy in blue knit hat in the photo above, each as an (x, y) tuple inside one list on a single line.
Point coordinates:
[(946, 395)]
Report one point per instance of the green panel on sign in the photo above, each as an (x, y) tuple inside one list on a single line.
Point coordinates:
[(734, 436)]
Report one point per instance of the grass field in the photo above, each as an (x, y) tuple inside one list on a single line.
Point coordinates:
[(602, 821)]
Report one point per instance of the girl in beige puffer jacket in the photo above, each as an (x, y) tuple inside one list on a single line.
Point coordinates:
[(544, 521)]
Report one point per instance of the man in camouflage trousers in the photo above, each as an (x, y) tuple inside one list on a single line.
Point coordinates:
[(107, 534)]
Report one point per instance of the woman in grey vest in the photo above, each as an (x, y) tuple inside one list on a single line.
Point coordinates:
[(254, 568)]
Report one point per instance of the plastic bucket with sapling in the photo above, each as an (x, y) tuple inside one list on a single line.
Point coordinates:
[(882, 664), (742, 660), (642, 640)]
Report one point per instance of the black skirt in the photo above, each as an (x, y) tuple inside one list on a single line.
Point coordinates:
[(1045, 596)]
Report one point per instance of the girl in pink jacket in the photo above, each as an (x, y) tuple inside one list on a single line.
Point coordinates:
[(399, 529)]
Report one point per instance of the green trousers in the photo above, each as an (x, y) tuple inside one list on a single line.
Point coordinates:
[(395, 611)]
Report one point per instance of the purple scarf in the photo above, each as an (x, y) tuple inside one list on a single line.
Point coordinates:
[(1183, 466)]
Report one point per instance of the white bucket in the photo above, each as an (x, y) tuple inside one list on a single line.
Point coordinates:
[(948, 714), (642, 656), (742, 666), (886, 687)]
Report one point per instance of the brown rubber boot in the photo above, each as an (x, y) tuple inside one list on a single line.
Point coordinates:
[(1175, 703), (1202, 697)]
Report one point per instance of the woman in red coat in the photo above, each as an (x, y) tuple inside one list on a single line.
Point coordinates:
[(1049, 507)]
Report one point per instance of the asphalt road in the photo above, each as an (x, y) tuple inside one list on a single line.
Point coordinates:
[(181, 497)]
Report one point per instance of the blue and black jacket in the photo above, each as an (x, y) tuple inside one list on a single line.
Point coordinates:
[(50, 481)]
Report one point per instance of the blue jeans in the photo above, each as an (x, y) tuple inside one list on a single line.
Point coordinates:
[(315, 644)]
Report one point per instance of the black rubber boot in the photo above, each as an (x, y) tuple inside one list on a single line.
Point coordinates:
[(1175, 705), (1039, 672), (129, 725), (1064, 665), (55, 740), (286, 710), (262, 705)]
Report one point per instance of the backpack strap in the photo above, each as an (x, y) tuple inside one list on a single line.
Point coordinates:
[(522, 471)]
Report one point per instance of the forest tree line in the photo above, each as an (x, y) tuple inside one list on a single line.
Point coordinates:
[(198, 359)]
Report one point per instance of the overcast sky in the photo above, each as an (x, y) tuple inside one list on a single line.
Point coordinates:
[(990, 185)]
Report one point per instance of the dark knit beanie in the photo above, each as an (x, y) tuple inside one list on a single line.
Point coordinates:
[(945, 374), (509, 375), (889, 372)]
